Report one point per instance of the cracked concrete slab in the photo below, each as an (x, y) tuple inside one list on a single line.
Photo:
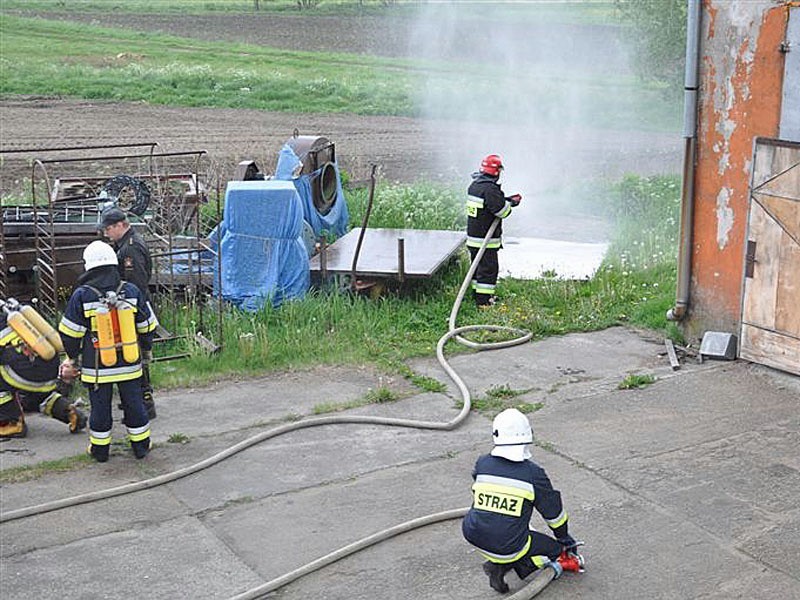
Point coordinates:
[(684, 488)]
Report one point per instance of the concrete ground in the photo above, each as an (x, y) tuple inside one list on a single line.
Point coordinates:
[(685, 488)]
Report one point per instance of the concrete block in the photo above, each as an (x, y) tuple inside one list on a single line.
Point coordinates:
[(717, 344)]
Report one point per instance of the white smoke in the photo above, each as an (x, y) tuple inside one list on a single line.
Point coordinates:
[(505, 78)]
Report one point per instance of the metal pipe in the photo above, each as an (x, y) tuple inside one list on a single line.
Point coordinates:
[(323, 258), (64, 148), (150, 155), (401, 259), (364, 223), (694, 15)]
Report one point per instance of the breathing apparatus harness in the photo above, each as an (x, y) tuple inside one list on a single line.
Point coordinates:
[(115, 327)]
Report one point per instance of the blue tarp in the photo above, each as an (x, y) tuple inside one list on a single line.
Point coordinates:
[(337, 221), (263, 255)]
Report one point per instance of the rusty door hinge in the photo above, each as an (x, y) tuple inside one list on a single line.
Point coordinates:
[(750, 259)]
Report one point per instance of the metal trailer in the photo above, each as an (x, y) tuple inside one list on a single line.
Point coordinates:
[(43, 239)]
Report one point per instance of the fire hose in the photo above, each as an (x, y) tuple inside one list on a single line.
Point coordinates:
[(522, 336)]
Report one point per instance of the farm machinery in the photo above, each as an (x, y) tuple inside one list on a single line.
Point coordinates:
[(42, 237)]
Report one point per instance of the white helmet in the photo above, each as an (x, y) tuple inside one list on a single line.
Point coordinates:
[(512, 435), (99, 254)]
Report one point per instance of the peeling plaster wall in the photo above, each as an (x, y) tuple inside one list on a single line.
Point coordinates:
[(741, 75)]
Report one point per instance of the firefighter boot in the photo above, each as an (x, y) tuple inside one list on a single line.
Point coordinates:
[(13, 429), (485, 301), (59, 407), (496, 573), (77, 420), (141, 448), (99, 453)]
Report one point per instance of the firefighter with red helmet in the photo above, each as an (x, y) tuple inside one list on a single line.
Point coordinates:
[(507, 488), (108, 323), (485, 203)]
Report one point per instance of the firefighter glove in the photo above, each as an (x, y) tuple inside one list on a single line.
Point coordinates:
[(568, 542), (515, 199), (147, 357)]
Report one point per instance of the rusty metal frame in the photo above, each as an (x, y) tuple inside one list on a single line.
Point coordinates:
[(45, 205), (46, 267)]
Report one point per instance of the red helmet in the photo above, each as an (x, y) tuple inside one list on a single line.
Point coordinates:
[(492, 165)]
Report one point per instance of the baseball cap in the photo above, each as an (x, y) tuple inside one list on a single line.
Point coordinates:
[(111, 216)]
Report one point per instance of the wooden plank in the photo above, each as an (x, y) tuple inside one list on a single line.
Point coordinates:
[(785, 211), (787, 302), (425, 251), (673, 358), (760, 291), (769, 348)]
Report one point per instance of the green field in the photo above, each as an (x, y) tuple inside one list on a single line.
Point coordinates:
[(71, 59)]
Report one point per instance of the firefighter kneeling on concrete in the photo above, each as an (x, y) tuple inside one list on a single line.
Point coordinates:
[(507, 488), (109, 324), (30, 382)]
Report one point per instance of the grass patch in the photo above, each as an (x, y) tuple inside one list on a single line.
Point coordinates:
[(428, 384), (595, 12), (178, 438), (380, 395), (117, 64), (636, 381), (634, 286), (498, 398), (413, 206), (201, 7), (48, 467), (71, 59)]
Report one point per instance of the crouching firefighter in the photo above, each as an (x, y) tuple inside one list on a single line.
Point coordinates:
[(507, 488), (108, 324), (29, 372)]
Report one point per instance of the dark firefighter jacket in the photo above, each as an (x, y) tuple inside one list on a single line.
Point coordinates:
[(485, 201), (79, 330), (19, 367), (135, 264), (504, 496)]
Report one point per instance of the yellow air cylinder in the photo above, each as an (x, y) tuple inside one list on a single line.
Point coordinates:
[(127, 332), (43, 327), (105, 336), (30, 335)]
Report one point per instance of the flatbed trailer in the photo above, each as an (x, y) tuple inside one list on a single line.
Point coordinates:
[(388, 253)]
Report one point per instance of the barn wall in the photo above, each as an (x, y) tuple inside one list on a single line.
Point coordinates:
[(741, 74)]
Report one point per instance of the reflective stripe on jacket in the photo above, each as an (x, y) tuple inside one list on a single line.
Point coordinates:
[(78, 331), (503, 498), (485, 202)]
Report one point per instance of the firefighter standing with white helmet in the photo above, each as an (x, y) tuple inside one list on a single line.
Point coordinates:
[(507, 488), (136, 266), (109, 324), (485, 202)]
